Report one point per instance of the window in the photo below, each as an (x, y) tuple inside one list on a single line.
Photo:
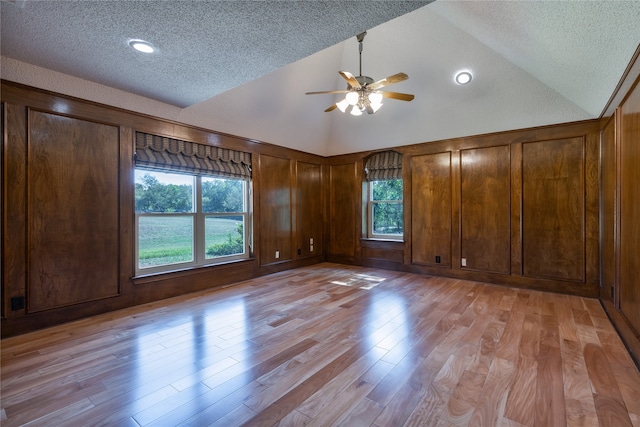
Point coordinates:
[(384, 196), (188, 220), (191, 204), (385, 213)]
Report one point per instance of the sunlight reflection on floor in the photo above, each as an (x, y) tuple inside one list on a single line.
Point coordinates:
[(363, 281)]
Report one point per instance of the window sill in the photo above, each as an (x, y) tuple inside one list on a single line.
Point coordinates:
[(379, 239), (155, 277)]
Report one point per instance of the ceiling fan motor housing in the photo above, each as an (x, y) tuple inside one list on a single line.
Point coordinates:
[(364, 80)]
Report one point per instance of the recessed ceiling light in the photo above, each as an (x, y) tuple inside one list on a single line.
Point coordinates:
[(463, 77), (142, 46)]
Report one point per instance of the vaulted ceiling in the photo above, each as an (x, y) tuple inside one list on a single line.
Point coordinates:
[(242, 67)]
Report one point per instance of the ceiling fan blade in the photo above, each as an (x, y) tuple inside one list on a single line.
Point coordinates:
[(327, 91), (350, 79), (396, 95), (333, 107), (396, 78)]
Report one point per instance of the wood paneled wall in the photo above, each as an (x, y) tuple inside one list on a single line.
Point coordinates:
[(517, 208), (629, 187), (527, 208), (553, 202), (275, 210), (608, 208), (431, 209), (620, 223), (68, 210), (309, 210), (485, 208), (72, 204), (343, 190)]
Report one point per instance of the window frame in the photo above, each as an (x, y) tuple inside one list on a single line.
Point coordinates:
[(199, 227), (370, 207)]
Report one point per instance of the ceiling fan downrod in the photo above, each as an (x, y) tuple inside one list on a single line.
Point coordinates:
[(360, 38)]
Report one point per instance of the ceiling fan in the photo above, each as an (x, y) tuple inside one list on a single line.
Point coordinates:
[(362, 93)]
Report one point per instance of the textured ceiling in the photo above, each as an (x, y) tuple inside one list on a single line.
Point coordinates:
[(534, 63), (205, 47)]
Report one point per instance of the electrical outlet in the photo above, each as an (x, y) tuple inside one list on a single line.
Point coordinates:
[(311, 240), (17, 303), (277, 254), (311, 248), (437, 259), (463, 261)]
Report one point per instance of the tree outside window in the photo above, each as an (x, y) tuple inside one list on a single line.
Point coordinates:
[(188, 220), (385, 209)]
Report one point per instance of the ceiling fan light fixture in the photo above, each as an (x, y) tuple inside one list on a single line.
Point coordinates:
[(363, 93), (463, 77), (342, 105), (375, 98), (375, 106), (352, 97)]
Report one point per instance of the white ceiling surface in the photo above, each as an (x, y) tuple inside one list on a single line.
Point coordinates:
[(535, 63)]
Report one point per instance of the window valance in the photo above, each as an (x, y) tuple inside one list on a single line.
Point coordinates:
[(167, 154), (384, 166)]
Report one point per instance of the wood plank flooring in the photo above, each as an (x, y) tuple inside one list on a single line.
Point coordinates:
[(329, 345)]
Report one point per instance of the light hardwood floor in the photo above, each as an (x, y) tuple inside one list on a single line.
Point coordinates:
[(329, 345)]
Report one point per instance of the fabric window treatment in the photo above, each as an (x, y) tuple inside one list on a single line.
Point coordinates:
[(167, 154), (384, 166)]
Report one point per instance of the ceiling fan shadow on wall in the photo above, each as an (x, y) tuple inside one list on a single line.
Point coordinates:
[(363, 93)]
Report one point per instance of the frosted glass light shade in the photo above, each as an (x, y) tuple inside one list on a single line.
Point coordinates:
[(352, 98), (375, 98), (342, 105), (355, 111)]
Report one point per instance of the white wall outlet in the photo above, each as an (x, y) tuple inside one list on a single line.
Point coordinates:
[(463, 261), (311, 248), (311, 241), (277, 254)]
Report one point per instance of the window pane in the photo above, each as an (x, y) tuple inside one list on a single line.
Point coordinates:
[(161, 192), (387, 190), (164, 240), (387, 218), (224, 235), (222, 195)]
